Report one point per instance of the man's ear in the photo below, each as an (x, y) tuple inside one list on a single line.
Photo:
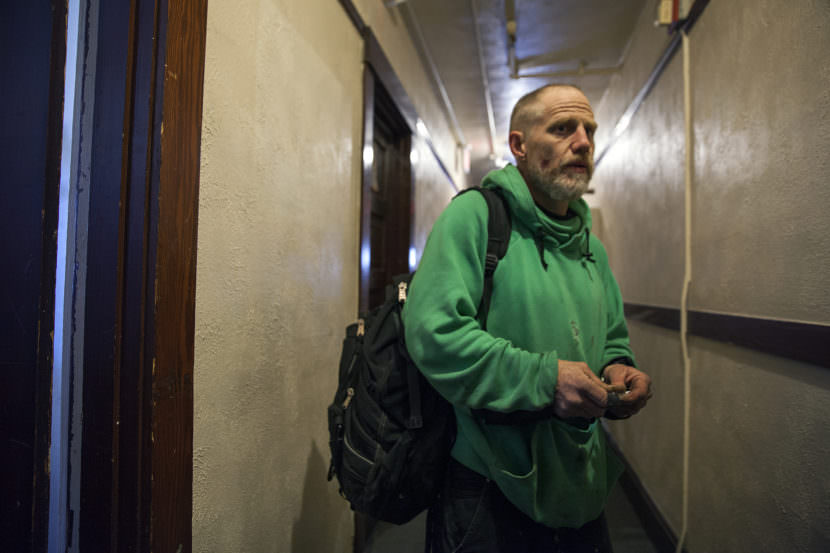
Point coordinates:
[(516, 140)]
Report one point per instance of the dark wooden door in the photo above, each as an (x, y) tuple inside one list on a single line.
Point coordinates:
[(390, 211), (389, 196)]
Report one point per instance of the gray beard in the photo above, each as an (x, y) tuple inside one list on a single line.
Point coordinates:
[(559, 186)]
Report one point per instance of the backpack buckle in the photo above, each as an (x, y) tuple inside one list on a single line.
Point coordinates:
[(415, 422), (491, 260)]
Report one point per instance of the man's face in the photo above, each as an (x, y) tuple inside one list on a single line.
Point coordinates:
[(559, 145)]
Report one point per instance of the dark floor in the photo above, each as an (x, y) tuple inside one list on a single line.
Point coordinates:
[(627, 533)]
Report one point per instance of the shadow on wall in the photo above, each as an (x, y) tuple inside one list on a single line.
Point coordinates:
[(321, 511)]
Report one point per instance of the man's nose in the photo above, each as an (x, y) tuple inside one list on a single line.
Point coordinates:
[(581, 143)]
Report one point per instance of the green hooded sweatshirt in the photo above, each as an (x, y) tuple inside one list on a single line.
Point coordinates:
[(551, 300)]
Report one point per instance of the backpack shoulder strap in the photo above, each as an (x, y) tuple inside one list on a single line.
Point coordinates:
[(499, 226)]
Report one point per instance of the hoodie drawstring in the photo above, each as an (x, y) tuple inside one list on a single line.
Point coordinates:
[(540, 246), (588, 255)]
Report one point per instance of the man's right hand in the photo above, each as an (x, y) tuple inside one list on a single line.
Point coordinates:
[(579, 392)]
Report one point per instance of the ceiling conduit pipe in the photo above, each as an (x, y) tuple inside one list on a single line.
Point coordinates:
[(485, 82), (510, 19), (582, 71), (419, 35)]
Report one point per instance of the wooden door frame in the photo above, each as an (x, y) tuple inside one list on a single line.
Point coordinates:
[(132, 371)]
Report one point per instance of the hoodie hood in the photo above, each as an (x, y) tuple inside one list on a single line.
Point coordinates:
[(572, 233)]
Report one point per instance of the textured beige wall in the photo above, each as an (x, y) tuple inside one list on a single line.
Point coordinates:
[(278, 264), (653, 440), (282, 114), (760, 77), (759, 451), (433, 192), (762, 134), (639, 194)]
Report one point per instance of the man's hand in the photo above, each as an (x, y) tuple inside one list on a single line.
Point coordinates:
[(579, 392), (637, 385)]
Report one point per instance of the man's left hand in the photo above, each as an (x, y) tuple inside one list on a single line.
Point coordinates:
[(637, 385)]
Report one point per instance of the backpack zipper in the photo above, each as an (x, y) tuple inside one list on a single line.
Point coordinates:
[(350, 448), (401, 292), (349, 396)]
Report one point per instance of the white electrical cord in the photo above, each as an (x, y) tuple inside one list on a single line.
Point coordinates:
[(687, 279)]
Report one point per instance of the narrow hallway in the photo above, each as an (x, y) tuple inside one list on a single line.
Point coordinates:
[(201, 195)]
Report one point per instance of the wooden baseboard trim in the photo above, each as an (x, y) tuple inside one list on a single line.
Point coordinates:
[(798, 341)]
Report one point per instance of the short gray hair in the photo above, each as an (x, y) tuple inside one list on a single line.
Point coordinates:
[(524, 114)]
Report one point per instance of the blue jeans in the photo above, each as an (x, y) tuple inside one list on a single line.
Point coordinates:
[(473, 516)]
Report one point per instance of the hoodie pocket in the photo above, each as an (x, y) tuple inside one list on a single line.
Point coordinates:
[(566, 484)]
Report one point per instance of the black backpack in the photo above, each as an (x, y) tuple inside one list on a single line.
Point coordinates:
[(390, 432)]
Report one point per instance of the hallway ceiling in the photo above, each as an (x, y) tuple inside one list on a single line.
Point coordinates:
[(582, 42)]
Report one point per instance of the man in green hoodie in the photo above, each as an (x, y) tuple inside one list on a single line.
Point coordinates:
[(555, 338)]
